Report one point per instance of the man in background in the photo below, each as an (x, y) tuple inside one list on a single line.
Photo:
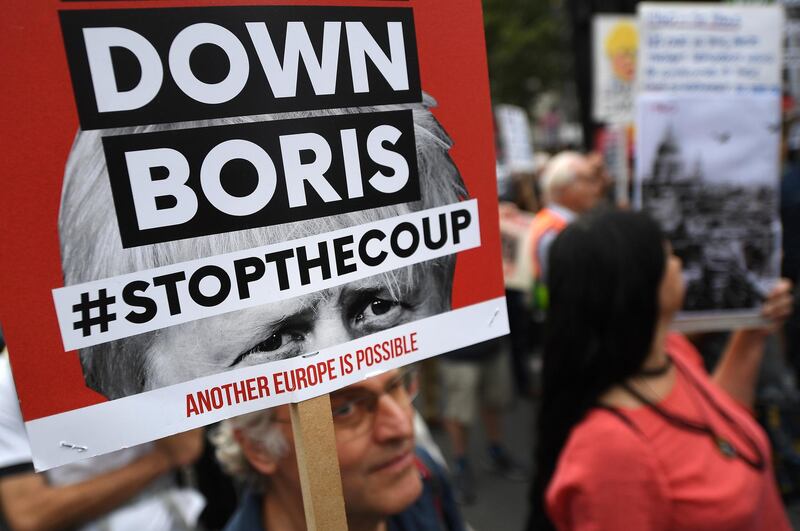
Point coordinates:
[(570, 187), (478, 383)]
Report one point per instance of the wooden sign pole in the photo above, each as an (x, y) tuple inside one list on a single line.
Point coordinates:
[(318, 463)]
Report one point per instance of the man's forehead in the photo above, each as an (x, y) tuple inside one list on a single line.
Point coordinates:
[(583, 163)]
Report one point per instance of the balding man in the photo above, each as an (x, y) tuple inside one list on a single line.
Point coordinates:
[(570, 188)]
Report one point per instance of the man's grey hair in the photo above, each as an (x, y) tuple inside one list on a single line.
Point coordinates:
[(91, 247), (560, 171), (257, 427)]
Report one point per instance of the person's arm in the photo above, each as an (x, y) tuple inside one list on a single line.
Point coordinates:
[(737, 370), (29, 503)]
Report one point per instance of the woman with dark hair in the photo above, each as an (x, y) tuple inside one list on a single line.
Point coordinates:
[(632, 433)]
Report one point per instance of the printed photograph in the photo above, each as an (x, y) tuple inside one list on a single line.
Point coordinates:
[(91, 249), (710, 177)]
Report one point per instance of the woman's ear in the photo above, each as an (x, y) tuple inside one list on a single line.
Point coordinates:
[(255, 453)]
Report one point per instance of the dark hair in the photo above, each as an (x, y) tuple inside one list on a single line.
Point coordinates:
[(604, 275)]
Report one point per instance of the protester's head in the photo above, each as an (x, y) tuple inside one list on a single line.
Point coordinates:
[(568, 180), (91, 249), (613, 278), (373, 422)]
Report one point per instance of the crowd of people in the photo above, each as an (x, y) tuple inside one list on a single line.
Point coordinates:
[(634, 430)]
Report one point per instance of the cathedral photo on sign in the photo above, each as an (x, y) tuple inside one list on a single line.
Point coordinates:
[(725, 231)]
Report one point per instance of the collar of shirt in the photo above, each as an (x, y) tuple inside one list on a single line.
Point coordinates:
[(563, 211)]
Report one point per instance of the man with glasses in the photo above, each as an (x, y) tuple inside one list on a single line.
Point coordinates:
[(388, 483)]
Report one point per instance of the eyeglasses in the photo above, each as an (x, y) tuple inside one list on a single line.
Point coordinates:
[(354, 409)]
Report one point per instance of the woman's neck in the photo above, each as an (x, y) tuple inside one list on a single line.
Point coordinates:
[(653, 388), (657, 357)]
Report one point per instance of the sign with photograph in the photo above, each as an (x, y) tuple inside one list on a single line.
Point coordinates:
[(213, 210), (614, 50), (707, 151), (710, 177)]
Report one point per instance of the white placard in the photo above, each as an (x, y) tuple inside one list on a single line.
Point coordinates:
[(104, 310), (73, 435), (710, 49), (516, 141)]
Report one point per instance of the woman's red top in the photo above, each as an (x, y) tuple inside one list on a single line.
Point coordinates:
[(652, 475)]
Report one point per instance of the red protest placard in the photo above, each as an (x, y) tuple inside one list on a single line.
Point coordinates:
[(215, 207)]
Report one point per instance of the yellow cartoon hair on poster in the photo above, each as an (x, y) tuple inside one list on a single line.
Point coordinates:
[(621, 46)]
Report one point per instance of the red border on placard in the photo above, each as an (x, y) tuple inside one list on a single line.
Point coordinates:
[(39, 123)]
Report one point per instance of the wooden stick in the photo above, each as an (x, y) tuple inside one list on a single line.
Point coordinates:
[(318, 463)]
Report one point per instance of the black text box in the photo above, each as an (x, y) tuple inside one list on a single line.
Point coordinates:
[(103, 102), (147, 171)]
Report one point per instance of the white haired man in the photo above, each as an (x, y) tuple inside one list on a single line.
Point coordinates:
[(388, 485), (570, 187)]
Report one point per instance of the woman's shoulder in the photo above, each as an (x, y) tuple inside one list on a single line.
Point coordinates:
[(606, 463), (605, 440)]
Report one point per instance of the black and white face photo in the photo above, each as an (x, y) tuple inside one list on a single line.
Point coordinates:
[(92, 249)]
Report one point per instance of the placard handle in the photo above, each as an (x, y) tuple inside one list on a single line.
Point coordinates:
[(318, 463)]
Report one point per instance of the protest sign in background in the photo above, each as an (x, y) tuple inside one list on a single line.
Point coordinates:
[(514, 139), (710, 48), (161, 294), (515, 238), (615, 42), (708, 137)]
